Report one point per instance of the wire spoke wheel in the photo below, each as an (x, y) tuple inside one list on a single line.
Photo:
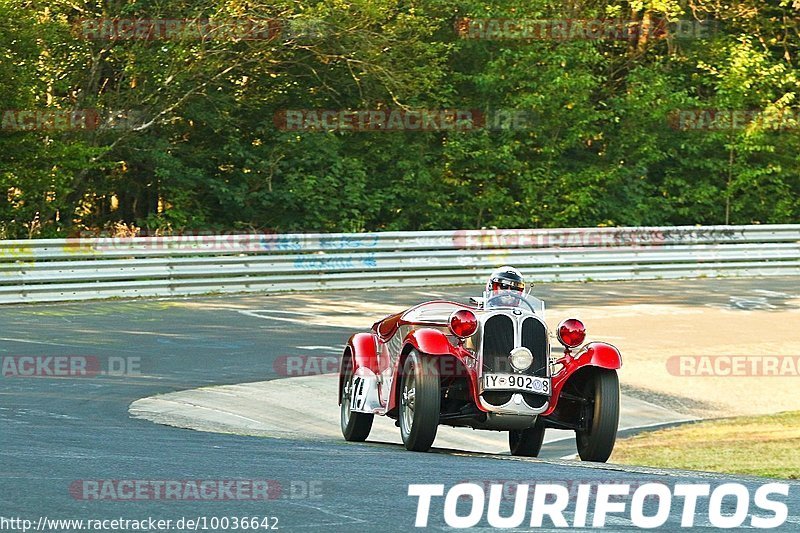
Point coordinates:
[(420, 400), (407, 401)]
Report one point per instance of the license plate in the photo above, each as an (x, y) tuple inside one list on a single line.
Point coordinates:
[(518, 382)]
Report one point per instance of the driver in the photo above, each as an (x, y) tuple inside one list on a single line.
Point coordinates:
[(504, 284)]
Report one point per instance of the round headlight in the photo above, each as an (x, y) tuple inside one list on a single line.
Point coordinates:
[(571, 332), (521, 358), (463, 323)]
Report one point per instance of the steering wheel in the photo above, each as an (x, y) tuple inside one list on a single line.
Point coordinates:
[(520, 298)]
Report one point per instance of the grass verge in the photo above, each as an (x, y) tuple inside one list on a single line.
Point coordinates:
[(757, 446)]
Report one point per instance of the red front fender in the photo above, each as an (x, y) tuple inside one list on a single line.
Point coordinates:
[(361, 349), (430, 341), (597, 354)]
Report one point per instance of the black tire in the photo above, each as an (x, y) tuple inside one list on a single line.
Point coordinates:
[(355, 426), (420, 399), (601, 414), (526, 442)]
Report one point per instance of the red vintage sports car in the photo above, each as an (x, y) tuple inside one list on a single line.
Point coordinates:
[(486, 366)]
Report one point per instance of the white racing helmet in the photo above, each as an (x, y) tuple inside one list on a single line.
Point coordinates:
[(505, 281)]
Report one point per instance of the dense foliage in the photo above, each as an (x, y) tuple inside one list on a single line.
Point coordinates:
[(186, 138)]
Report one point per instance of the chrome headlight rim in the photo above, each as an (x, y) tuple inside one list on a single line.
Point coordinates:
[(520, 359)]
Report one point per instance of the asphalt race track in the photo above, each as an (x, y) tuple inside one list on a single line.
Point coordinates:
[(58, 432)]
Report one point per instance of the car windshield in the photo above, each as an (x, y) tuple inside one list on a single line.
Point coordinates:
[(501, 299)]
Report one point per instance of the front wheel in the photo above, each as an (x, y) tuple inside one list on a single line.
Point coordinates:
[(355, 426), (601, 416), (526, 442), (419, 403)]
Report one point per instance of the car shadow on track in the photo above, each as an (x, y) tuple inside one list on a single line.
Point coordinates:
[(557, 450)]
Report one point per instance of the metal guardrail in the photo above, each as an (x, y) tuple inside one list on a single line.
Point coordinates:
[(50, 270)]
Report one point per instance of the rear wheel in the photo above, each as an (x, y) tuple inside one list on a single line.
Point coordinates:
[(526, 442), (419, 403), (355, 426), (600, 414)]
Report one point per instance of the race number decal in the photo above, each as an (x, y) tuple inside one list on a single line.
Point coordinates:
[(358, 396)]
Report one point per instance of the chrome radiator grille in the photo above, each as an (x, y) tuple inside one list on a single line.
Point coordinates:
[(534, 338), (497, 342)]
